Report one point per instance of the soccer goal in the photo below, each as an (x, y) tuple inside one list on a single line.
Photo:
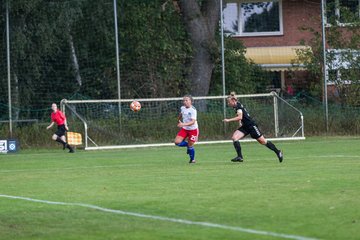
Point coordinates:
[(110, 124)]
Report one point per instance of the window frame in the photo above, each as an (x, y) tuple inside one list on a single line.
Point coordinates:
[(337, 13), (341, 66), (240, 32)]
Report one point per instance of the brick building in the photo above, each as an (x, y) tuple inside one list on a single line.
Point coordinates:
[(273, 31)]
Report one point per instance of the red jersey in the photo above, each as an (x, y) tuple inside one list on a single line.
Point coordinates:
[(58, 117)]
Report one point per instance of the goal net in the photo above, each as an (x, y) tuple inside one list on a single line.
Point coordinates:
[(110, 124)]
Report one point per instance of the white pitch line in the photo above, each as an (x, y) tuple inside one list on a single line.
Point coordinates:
[(166, 219), (69, 168)]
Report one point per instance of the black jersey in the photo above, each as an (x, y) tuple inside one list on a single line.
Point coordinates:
[(246, 120)]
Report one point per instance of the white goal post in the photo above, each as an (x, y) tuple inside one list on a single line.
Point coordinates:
[(110, 124)]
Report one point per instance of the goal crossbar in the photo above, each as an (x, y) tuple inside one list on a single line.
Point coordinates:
[(64, 101)]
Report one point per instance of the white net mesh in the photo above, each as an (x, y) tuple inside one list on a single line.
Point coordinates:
[(111, 123)]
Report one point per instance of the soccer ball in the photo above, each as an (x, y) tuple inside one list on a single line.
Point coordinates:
[(135, 106)]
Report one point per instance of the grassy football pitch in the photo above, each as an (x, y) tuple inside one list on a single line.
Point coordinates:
[(153, 193)]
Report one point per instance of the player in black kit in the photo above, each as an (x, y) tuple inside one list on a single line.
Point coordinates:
[(247, 126)]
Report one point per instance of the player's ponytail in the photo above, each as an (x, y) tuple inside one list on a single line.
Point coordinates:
[(232, 96)]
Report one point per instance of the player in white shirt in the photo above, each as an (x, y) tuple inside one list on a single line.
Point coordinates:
[(187, 122)]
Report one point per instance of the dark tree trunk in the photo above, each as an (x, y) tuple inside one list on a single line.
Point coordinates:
[(201, 23), (75, 61)]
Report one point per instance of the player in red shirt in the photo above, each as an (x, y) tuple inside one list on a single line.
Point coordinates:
[(59, 118)]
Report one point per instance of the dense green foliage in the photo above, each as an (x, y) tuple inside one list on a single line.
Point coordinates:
[(314, 193), (155, 50), (66, 49)]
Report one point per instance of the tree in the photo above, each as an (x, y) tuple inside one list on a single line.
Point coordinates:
[(201, 20), (66, 49), (154, 49), (36, 44), (50, 48)]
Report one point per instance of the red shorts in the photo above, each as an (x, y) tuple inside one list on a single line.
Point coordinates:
[(192, 135)]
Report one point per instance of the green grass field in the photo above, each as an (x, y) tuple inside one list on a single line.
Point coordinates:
[(314, 193)]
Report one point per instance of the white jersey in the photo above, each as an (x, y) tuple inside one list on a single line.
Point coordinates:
[(188, 114)]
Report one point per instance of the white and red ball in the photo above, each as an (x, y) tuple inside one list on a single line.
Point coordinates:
[(135, 106)]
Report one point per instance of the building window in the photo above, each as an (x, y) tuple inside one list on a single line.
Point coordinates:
[(253, 18), (342, 76), (343, 66), (342, 11)]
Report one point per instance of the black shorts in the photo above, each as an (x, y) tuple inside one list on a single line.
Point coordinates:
[(253, 130), (60, 131)]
